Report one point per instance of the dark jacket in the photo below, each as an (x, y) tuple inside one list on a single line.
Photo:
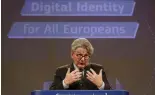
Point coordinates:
[(84, 84)]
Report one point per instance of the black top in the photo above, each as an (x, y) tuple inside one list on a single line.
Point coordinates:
[(83, 84)]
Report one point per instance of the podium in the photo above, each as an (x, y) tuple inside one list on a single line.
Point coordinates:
[(80, 92)]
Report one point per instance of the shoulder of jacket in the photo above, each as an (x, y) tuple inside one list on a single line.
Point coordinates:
[(96, 65), (64, 66)]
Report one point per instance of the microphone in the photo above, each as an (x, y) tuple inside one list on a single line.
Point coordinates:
[(81, 70), (81, 81)]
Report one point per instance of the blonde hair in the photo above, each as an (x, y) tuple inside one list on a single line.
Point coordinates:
[(84, 43)]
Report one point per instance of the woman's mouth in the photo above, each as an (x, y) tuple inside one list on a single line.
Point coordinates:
[(81, 63)]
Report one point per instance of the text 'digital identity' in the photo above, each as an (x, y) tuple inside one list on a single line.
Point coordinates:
[(78, 8)]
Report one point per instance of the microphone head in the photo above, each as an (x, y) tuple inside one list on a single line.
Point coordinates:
[(81, 69), (87, 67)]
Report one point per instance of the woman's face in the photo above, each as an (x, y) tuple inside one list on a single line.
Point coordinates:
[(80, 57)]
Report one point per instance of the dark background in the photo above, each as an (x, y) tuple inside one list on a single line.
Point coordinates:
[(28, 63)]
